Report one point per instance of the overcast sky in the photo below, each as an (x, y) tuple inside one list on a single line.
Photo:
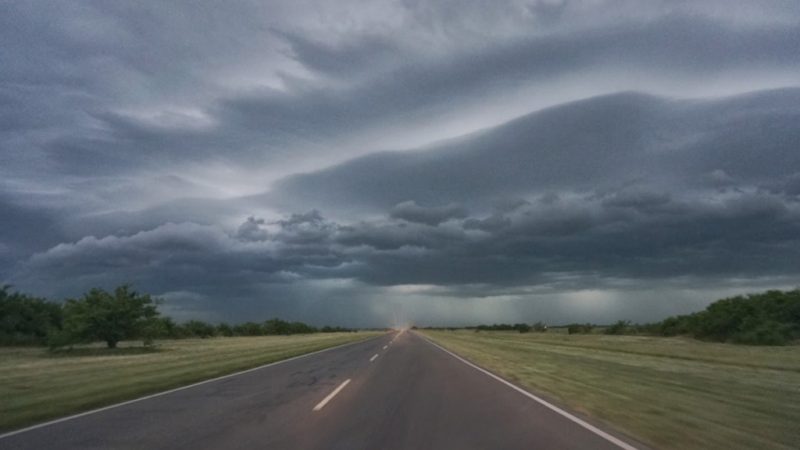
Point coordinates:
[(434, 162)]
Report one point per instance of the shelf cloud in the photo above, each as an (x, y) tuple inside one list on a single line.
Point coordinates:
[(457, 161)]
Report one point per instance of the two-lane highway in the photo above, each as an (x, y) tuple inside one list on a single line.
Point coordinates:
[(397, 391)]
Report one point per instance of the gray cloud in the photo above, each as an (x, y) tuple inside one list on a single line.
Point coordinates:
[(235, 159), (252, 230), (610, 236), (121, 104), (623, 138), (433, 215)]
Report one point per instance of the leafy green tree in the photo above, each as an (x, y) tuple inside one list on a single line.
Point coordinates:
[(674, 326), (223, 329), (248, 329), (109, 317), (336, 329), (522, 327), (301, 328), (276, 326), (199, 329), (768, 318), (25, 319), (167, 328), (621, 327), (578, 328)]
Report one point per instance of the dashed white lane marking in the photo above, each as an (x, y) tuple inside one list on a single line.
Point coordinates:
[(170, 391), (385, 347), (330, 396), (374, 357), (618, 442)]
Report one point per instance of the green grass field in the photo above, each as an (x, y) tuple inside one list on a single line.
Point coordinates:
[(36, 385), (667, 392)]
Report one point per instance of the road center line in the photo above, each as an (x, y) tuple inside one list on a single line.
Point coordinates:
[(374, 357), (385, 347), (330, 396), (170, 391)]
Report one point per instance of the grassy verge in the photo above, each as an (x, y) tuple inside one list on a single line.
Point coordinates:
[(668, 392), (36, 385)]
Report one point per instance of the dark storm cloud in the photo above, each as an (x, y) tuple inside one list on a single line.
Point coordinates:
[(435, 215), (597, 143), (232, 158), (96, 78), (23, 230), (620, 235), (677, 43), (416, 91), (399, 237), (596, 237), (251, 230)]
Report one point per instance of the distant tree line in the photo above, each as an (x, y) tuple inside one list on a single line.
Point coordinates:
[(768, 318), (112, 317), (199, 329), (538, 327), (519, 327), (580, 328)]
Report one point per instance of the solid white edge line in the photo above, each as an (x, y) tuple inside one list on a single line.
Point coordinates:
[(556, 409), (374, 357), (330, 396), (157, 394)]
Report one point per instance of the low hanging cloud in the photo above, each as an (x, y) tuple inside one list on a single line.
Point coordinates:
[(252, 230), (594, 144), (468, 161), (624, 235), (433, 215), (535, 231)]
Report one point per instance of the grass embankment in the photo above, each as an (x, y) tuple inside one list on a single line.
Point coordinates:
[(36, 385), (668, 392)]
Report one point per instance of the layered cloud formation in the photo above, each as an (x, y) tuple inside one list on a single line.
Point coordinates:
[(438, 162)]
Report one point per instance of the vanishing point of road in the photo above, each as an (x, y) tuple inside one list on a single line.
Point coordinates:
[(397, 391)]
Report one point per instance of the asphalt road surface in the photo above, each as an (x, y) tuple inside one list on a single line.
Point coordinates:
[(398, 391)]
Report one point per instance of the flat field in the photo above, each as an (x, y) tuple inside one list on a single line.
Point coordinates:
[(667, 392), (36, 385)]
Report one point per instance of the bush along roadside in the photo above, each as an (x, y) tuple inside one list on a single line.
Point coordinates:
[(112, 317)]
